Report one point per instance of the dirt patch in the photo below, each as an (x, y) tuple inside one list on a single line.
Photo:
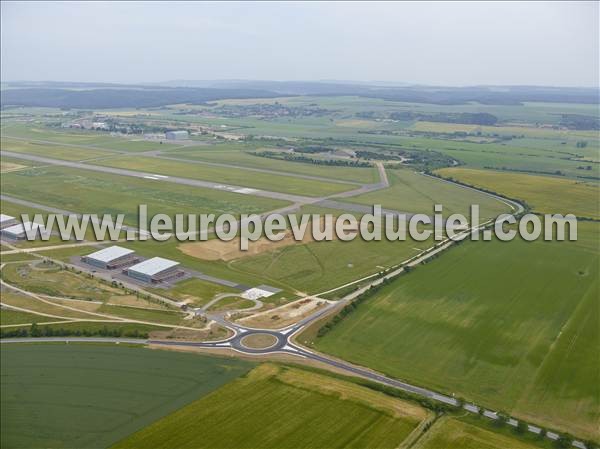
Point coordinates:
[(134, 301), (285, 315), (216, 249), (6, 167), (215, 332)]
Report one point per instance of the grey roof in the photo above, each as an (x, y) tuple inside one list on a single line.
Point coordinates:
[(20, 228), (4, 217), (153, 266), (109, 254)]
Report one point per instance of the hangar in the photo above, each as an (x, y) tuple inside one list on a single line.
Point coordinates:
[(7, 220), (154, 270), (19, 231), (176, 135), (111, 257)]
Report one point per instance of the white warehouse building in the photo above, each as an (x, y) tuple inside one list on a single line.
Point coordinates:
[(176, 135), (111, 257), (7, 220), (19, 231), (153, 270)]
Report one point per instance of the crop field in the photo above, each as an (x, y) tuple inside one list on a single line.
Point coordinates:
[(74, 396), (415, 193), (512, 326), (85, 191), (239, 177), (452, 433), (543, 194), (53, 151), (280, 407), (528, 131)]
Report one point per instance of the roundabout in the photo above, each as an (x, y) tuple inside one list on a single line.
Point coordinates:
[(257, 342)]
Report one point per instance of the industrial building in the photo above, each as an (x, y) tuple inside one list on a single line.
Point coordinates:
[(19, 231), (111, 257), (154, 270), (6, 221), (176, 135)]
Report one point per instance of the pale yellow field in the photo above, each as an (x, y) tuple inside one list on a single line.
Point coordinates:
[(544, 194)]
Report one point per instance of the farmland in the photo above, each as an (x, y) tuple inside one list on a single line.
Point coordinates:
[(514, 323), (543, 194), (283, 407), (508, 326), (73, 396), (452, 433)]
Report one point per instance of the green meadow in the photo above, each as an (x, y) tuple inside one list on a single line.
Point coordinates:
[(85, 191), (415, 193), (68, 153), (509, 325), (225, 175), (91, 396)]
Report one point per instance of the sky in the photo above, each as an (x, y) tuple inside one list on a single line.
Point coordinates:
[(437, 43)]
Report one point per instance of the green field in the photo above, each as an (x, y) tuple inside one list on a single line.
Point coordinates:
[(510, 325), (236, 154), (543, 194), (449, 433), (413, 192), (238, 177), (11, 317), (90, 396), (67, 153), (85, 191), (278, 407)]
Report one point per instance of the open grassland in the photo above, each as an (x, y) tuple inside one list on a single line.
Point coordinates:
[(317, 266), (92, 140), (27, 303), (85, 191), (280, 407), (49, 279), (235, 154), (510, 325), (53, 151), (90, 396), (450, 433), (416, 193), (12, 317), (194, 291), (543, 194), (234, 176)]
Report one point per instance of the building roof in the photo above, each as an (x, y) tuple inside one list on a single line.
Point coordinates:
[(153, 266), (21, 228), (109, 254), (4, 218)]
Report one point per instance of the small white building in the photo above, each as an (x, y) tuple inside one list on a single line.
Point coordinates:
[(153, 270), (111, 257), (176, 135), (19, 231), (7, 220)]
